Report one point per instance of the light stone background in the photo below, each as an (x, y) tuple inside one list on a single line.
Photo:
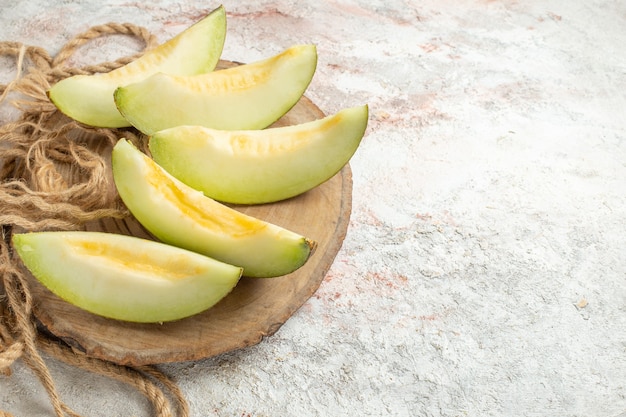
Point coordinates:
[(484, 270)]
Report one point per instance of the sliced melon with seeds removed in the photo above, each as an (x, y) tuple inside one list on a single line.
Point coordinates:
[(260, 166), (124, 277), (182, 216), (250, 96), (89, 98)]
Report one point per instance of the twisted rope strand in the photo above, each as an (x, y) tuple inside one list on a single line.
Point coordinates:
[(103, 30), (128, 375), (38, 56), (181, 402)]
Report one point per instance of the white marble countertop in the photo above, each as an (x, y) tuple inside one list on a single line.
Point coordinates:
[(484, 270)]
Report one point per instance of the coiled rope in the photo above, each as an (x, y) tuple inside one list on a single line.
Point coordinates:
[(51, 177)]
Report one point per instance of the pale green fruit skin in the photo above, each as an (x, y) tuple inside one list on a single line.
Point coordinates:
[(250, 96), (89, 98), (262, 166), (181, 216), (123, 277)]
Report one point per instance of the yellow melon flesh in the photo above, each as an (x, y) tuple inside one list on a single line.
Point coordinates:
[(260, 166), (89, 98), (182, 216), (250, 96), (123, 277)]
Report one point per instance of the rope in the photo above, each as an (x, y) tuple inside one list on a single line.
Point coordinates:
[(51, 177)]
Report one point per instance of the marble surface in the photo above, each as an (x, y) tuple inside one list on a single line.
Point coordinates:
[(484, 270)]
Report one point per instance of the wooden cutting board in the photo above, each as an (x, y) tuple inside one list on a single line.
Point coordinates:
[(255, 309)]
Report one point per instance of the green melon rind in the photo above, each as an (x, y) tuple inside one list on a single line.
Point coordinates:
[(139, 291)]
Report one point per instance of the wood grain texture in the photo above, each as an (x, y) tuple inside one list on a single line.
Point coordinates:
[(255, 309)]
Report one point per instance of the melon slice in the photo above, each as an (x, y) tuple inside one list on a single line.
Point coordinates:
[(123, 277), (89, 98), (250, 96), (181, 216), (260, 166)]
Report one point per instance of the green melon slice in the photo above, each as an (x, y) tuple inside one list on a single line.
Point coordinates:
[(182, 216), (123, 277), (250, 96), (89, 98), (260, 166)]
